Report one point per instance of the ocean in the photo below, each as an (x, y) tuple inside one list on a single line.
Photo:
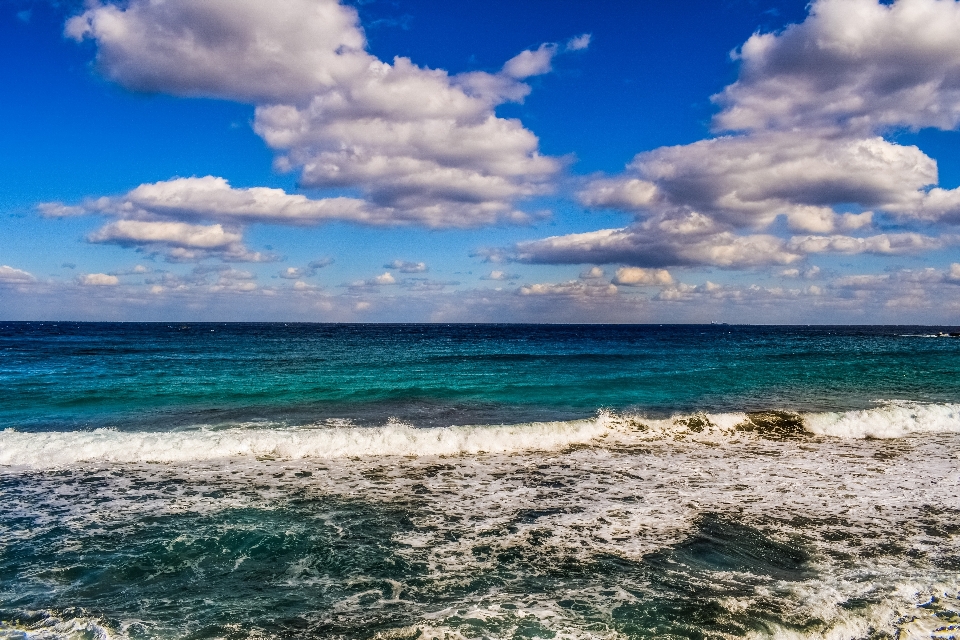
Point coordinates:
[(192, 481)]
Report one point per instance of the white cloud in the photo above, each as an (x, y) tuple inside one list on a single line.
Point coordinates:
[(579, 43), (227, 278), (695, 241), (531, 63), (9, 275), (747, 181), (98, 280), (886, 243), (212, 198), (179, 234), (592, 273), (295, 273), (239, 49), (626, 194), (637, 276), (181, 241), (407, 267), (953, 275), (809, 273), (292, 273), (853, 65), (572, 288), (423, 146), (415, 285), (810, 107), (499, 275), (650, 246)]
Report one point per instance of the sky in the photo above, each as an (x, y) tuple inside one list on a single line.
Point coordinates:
[(743, 161)]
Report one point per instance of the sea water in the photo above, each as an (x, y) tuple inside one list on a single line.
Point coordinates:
[(478, 481)]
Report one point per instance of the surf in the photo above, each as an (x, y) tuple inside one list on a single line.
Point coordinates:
[(39, 450)]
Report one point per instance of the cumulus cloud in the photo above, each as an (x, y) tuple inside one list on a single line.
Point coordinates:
[(883, 244), (242, 50), (177, 234), (579, 43), (697, 241), (9, 275), (909, 288), (651, 247), (423, 146), (747, 181), (212, 198), (165, 214), (572, 289), (413, 285), (808, 113), (809, 273), (499, 275), (637, 276), (407, 267), (182, 242), (98, 280), (300, 285), (295, 273), (854, 66), (531, 63), (292, 273), (592, 273), (227, 278), (953, 274)]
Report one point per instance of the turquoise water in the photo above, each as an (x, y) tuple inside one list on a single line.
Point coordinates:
[(478, 481), (137, 376)]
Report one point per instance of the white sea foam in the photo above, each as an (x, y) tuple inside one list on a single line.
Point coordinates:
[(51, 627), (582, 503), (891, 420), (54, 449), (59, 449)]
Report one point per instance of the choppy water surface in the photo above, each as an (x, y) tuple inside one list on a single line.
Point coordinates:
[(319, 481)]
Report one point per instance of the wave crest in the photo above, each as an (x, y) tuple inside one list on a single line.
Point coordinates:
[(57, 449), (52, 449)]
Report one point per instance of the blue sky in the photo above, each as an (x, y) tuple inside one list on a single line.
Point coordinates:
[(734, 160)]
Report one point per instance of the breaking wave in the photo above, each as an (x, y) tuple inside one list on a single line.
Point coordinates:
[(107, 445), (55, 449)]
